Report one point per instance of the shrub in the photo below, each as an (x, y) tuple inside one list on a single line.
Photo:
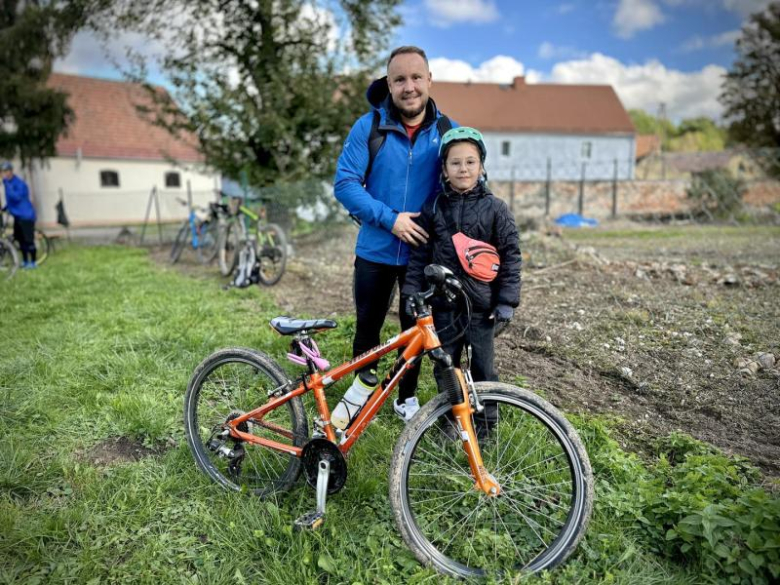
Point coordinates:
[(717, 192)]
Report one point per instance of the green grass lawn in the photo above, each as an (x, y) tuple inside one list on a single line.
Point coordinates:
[(99, 344)]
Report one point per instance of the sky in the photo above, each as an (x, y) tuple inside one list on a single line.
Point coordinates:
[(650, 51)]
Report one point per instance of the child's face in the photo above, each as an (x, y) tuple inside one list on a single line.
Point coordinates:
[(462, 167)]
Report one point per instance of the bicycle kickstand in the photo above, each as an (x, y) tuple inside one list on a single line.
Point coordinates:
[(314, 520)]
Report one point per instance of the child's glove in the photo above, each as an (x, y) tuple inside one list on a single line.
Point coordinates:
[(408, 305), (503, 313)]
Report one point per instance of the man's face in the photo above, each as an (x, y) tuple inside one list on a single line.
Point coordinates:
[(409, 81), (8, 174)]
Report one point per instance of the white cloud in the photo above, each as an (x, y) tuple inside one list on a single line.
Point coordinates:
[(88, 55), (565, 8), (499, 69), (697, 43), (686, 95), (446, 12), (549, 51), (636, 15)]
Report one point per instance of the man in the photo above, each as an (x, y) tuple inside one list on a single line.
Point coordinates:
[(387, 193), (18, 204)]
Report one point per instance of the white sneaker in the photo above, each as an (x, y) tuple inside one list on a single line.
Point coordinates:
[(408, 409)]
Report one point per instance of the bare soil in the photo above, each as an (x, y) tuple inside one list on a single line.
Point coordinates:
[(647, 325)]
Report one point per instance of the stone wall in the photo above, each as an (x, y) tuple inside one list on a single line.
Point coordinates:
[(632, 197)]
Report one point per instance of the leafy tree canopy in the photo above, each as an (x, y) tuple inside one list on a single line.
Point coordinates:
[(751, 91), (270, 87), (32, 34), (690, 135)]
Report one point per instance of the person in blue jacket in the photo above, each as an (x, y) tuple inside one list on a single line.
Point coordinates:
[(387, 193), (18, 204)]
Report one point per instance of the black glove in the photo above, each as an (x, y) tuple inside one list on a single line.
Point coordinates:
[(503, 313), (408, 305)]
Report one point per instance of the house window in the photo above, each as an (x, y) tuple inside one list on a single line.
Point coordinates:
[(505, 146), (586, 148), (172, 180), (109, 179)]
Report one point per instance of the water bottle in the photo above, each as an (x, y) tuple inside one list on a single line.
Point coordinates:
[(354, 398)]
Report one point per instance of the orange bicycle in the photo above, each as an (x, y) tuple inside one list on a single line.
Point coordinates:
[(486, 479)]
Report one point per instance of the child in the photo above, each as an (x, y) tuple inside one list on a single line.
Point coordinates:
[(465, 208)]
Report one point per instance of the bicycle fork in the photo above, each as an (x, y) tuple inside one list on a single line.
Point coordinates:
[(453, 384)]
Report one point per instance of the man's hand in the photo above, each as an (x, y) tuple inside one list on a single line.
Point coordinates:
[(406, 230), (503, 313)]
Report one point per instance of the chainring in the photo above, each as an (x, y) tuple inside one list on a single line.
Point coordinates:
[(318, 449)]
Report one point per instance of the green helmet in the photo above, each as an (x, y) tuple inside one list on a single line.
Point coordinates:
[(461, 134)]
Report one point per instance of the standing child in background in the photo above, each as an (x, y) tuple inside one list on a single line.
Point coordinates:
[(460, 220)]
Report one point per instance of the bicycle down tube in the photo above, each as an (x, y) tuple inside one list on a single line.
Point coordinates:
[(417, 340)]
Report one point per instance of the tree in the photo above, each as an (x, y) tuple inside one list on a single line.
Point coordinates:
[(751, 91), (691, 135), (264, 85), (32, 35)]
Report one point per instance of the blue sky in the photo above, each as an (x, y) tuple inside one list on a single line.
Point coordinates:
[(650, 51)]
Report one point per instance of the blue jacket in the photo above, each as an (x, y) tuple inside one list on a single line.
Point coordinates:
[(404, 175), (17, 199)]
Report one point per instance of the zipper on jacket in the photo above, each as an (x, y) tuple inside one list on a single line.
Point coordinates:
[(406, 190)]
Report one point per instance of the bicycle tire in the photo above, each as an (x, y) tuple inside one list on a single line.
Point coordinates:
[(228, 248), (546, 472), (238, 380), (207, 242), (9, 259), (42, 247), (180, 242), (271, 253)]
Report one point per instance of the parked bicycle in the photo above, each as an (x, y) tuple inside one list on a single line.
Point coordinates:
[(43, 244), (472, 494), (199, 231), (9, 259), (263, 245)]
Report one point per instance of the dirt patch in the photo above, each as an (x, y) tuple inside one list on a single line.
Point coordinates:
[(117, 450), (647, 326)]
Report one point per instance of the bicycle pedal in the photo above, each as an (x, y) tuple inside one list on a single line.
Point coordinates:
[(310, 521)]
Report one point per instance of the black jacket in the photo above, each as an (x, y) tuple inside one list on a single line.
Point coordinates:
[(480, 215)]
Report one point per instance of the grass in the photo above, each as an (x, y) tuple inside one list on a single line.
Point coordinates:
[(100, 344)]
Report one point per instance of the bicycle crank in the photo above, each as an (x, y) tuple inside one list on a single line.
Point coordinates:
[(326, 471)]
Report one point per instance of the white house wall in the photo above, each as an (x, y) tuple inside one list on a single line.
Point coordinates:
[(87, 203), (529, 155)]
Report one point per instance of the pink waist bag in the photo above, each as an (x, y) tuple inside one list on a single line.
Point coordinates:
[(479, 259)]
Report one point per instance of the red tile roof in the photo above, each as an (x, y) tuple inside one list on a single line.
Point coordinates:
[(647, 144), (107, 124), (536, 107)]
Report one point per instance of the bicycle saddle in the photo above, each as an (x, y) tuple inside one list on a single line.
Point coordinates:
[(288, 325)]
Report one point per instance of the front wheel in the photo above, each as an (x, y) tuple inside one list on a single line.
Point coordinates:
[(226, 384), (546, 487), (228, 248), (207, 242), (180, 242), (9, 259), (271, 253)]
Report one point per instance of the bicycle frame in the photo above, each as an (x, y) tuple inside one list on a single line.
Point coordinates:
[(418, 340)]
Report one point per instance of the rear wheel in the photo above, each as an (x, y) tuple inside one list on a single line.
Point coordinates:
[(9, 259), (546, 487), (226, 384), (42, 247), (271, 253), (228, 248), (180, 242), (207, 242)]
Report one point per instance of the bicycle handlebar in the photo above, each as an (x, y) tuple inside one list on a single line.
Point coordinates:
[(442, 281)]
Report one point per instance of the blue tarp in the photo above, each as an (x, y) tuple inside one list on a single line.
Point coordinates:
[(575, 220)]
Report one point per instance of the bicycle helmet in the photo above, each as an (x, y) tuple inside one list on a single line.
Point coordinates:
[(461, 134), (6, 166)]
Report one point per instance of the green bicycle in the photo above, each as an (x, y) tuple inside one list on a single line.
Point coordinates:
[(267, 240)]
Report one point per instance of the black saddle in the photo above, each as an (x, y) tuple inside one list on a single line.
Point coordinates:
[(288, 325)]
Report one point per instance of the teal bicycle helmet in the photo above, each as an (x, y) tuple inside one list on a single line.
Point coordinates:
[(462, 134)]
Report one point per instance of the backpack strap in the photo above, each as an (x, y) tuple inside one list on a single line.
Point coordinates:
[(375, 141), (376, 138)]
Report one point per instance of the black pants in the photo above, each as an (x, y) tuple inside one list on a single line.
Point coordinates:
[(373, 286), (449, 325), (24, 233)]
